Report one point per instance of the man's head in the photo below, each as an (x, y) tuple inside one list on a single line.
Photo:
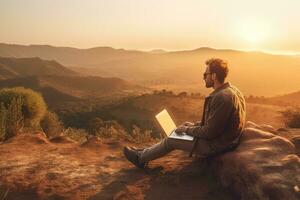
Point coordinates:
[(216, 72)]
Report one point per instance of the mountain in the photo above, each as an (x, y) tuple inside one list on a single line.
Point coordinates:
[(66, 55), (20, 67), (254, 73)]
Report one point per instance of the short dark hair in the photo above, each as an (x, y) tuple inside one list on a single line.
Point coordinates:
[(219, 67)]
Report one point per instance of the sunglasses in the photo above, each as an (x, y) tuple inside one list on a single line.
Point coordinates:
[(205, 75)]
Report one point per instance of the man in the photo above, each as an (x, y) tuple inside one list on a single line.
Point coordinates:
[(219, 130)]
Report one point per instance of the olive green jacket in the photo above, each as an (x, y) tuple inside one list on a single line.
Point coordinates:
[(223, 119)]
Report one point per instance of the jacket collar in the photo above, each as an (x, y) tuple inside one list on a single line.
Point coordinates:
[(225, 85)]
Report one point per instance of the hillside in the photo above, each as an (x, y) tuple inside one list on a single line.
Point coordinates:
[(141, 111), (61, 89), (287, 99), (20, 67), (179, 70)]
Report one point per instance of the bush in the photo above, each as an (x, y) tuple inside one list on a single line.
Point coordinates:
[(32, 103), (79, 135), (11, 118), (51, 125), (19, 108), (3, 113), (140, 136), (94, 125), (111, 130), (14, 121), (291, 117)]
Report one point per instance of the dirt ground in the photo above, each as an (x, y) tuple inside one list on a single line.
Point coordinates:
[(32, 167)]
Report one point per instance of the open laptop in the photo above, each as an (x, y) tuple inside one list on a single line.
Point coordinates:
[(169, 126)]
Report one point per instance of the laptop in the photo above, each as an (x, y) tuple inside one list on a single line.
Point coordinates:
[(169, 127)]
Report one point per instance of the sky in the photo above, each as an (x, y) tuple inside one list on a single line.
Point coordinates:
[(263, 25)]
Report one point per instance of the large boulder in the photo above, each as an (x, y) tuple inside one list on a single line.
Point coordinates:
[(263, 166)]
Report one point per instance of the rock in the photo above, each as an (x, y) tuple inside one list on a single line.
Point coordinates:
[(62, 140), (92, 142), (296, 141), (36, 138), (41, 133), (264, 166), (282, 129), (263, 127)]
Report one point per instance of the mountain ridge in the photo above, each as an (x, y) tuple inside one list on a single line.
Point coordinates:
[(12, 67), (248, 70)]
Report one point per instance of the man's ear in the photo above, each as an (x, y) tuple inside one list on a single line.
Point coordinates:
[(214, 76)]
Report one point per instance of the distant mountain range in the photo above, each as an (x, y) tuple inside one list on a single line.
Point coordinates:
[(60, 89), (58, 83), (22, 67), (254, 73)]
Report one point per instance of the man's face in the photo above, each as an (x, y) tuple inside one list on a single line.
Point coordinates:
[(207, 76)]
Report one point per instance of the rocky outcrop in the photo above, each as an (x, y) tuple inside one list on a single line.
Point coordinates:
[(264, 166)]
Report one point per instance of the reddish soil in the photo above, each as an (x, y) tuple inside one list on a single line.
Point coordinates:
[(32, 167)]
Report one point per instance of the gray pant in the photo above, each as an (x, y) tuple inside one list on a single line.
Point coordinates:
[(169, 144)]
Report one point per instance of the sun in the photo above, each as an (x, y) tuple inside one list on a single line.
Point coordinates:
[(253, 31)]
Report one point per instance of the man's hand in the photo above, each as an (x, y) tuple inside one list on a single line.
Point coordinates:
[(181, 129), (188, 124)]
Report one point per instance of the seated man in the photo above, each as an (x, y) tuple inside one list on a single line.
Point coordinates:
[(219, 130)]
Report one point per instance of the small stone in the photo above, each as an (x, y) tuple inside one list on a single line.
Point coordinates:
[(296, 188)]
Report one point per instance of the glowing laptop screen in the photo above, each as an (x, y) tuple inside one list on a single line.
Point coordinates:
[(166, 121)]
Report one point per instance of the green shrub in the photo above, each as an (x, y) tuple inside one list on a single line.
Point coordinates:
[(140, 136), (11, 118), (14, 121), (3, 113), (19, 108), (111, 130), (79, 135), (94, 125), (51, 125), (291, 117), (33, 106)]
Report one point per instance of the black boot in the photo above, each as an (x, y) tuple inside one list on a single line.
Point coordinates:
[(132, 155)]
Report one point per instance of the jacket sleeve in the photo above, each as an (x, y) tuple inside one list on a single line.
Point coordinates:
[(219, 114)]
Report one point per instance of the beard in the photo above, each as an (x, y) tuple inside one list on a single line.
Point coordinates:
[(209, 84)]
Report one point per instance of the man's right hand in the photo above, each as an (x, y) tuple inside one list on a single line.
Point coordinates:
[(181, 129), (188, 123)]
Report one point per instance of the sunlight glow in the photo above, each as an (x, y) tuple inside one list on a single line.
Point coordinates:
[(253, 31)]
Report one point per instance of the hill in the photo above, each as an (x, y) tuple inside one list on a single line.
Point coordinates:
[(20, 67), (60, 89), (255, 73), (141, 111), (291, 99)]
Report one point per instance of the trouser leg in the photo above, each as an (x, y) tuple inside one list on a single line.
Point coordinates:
[(169, 144)]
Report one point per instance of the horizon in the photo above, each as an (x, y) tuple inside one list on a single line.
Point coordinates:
[(143, 25), (166, 50)]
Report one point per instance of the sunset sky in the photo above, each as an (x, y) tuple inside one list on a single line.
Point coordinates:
[(267, 25)]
